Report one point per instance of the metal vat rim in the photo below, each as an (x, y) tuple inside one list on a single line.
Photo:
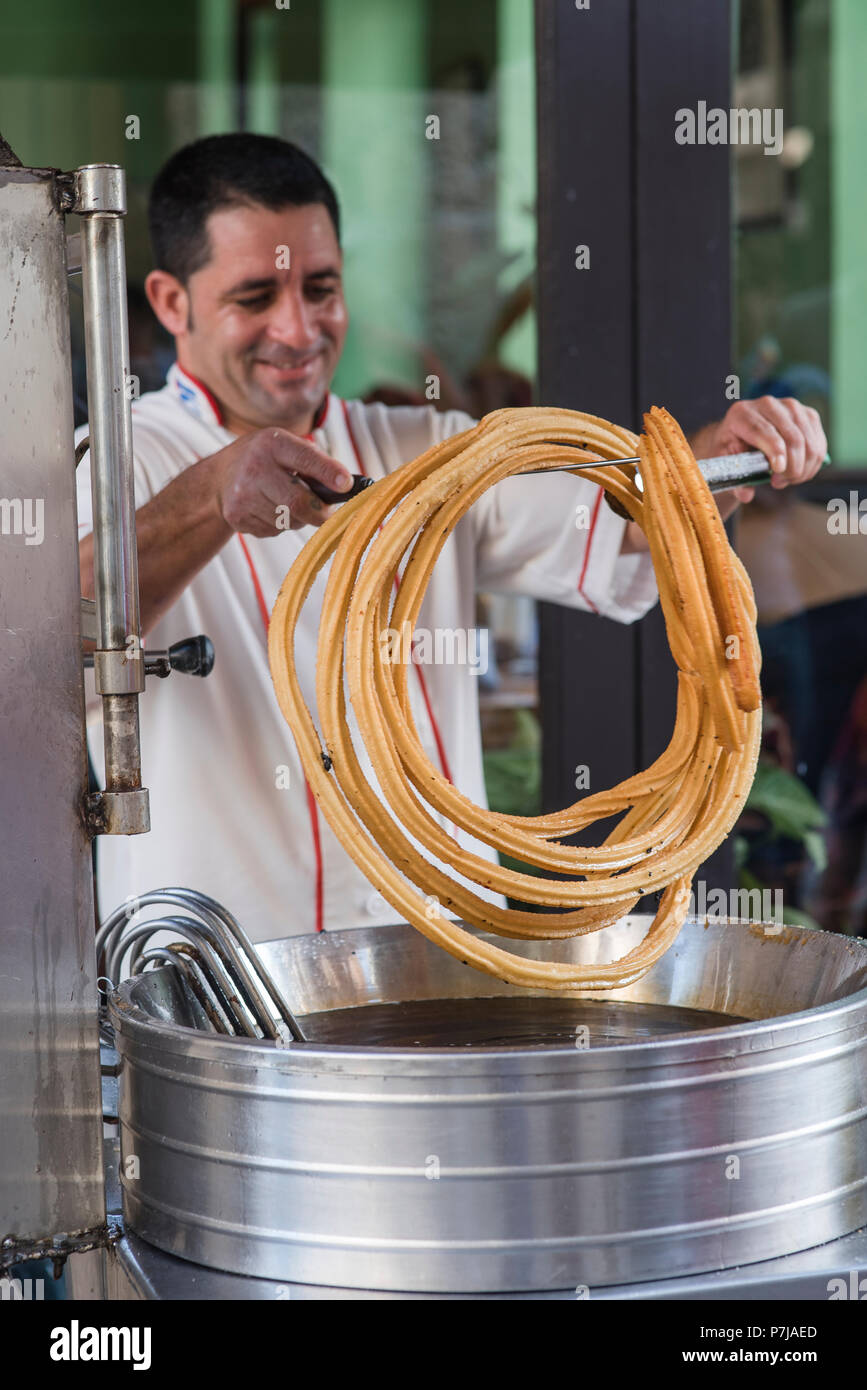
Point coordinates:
[(751, 1067)]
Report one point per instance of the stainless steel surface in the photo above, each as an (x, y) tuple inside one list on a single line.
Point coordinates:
[(117, 813), (118, 664), (227, 978), (137, 1271), (472, 1168), (51, 1177)]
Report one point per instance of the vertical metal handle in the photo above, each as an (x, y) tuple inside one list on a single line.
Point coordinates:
[(100, 201)]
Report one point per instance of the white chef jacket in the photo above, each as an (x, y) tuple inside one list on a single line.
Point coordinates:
[(231, 812)]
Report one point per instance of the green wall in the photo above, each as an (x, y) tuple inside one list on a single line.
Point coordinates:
[(849, 226), (427, 262)]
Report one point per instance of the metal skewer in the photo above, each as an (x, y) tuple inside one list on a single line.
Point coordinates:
[(720, 473), (726, 471)]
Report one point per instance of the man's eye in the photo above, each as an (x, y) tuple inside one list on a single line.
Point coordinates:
[(258, 302), (320, 292)]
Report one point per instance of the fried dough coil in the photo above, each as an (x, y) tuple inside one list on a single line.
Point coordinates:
[(674, 814)]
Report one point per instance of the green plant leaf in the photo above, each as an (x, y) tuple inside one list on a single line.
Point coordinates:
[(513, 775), (794, 917), (789, 806), (814, 844)]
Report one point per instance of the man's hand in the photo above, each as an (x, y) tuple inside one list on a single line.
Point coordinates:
[(259, 487), (788, 433), (254, 486)]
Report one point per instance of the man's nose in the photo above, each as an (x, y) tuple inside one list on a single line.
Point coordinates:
[(291, 320)]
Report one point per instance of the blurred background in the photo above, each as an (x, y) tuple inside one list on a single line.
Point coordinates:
[(450, 227)]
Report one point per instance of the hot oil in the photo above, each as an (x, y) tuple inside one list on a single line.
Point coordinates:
[(507, 1022)]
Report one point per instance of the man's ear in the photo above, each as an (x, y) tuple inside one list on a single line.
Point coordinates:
[(169, 300)]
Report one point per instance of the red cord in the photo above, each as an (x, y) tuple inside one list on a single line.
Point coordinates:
[(260, 597), (311, 800), (593, 519), (441, 751)]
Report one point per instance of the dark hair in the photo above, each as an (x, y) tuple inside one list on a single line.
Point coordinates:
[(224, 171)]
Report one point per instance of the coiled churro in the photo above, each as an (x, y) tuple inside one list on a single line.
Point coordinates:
[(675, 813)]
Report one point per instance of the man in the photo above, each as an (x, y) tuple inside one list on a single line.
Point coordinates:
[(246, 242)]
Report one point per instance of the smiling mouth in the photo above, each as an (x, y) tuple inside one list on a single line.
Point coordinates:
[(290, 371)]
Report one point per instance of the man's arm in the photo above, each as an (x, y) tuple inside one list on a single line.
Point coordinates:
[(788, 433), (241, 488)]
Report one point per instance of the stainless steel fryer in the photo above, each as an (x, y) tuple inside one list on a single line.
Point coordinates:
[(454, 1134)]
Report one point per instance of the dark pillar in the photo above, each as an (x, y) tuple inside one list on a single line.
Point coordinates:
[(647, 324)]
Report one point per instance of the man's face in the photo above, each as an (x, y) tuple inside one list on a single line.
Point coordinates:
[(265, 339)]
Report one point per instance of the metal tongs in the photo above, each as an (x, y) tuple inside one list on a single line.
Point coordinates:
[(726, 471)]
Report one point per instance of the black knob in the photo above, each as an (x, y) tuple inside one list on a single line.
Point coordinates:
[(331, 496), (194, 656)]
